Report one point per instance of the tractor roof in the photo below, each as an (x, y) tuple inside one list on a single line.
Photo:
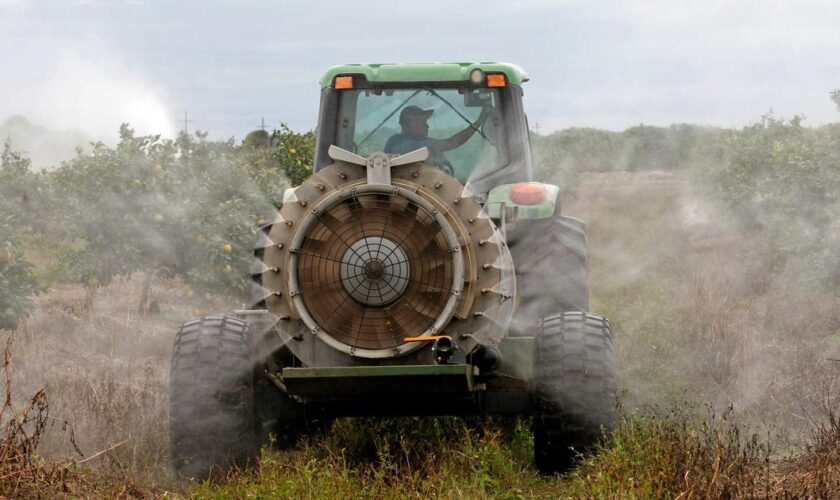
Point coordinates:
[(424, 72)]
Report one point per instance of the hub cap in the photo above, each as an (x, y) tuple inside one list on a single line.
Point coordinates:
[(375, 271)]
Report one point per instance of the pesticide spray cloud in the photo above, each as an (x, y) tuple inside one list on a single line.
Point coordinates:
[(73, 82)]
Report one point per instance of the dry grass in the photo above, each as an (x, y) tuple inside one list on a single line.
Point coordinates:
[(21, 429), (105, 373), (676, 455)]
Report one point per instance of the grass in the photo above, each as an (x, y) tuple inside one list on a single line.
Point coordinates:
[(395, 458), (701, 326)]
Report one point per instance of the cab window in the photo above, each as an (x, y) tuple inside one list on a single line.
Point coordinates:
[(368, 118)]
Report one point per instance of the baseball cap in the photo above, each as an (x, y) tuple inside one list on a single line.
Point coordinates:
[(415, 112)]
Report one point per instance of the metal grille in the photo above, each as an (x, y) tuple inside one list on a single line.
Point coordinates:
[(374, 268)]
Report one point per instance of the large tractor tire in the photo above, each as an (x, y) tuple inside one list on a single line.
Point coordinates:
[(575, 388), (550, 257), (211, 396)]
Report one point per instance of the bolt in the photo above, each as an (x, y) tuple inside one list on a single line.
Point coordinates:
[(487, 266), (320, 187), (342, 175), (279, 245), (438, 185), (303, 203), (289, 223), (415, 174)]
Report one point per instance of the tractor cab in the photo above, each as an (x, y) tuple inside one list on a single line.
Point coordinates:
[(469, 115)]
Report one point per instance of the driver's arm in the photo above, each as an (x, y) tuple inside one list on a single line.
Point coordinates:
[(463, 136)]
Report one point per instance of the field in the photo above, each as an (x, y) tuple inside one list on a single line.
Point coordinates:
[(728, 376)]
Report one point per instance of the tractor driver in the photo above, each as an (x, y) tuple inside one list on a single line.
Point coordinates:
[(415, 135)]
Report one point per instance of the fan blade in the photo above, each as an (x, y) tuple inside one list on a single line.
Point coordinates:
[(430, 262), (329, 248)]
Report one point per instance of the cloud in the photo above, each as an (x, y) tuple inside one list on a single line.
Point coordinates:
[(598, 63)]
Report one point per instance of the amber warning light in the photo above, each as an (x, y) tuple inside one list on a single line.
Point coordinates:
[(527, 193), (497, 80), (344, 82)]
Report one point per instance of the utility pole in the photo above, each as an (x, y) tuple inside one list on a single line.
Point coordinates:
[(262, 123), (186, 122)]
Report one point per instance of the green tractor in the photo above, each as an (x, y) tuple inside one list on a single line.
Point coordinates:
[(420, 271)]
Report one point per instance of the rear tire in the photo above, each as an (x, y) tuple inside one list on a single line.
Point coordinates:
[(575, 388), (552, 274), (211, 397)]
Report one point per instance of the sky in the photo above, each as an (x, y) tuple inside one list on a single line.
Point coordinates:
[(91, 65)]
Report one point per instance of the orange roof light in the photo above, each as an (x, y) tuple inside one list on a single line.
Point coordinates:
[(343, 82), (496, 80), (527, 193)]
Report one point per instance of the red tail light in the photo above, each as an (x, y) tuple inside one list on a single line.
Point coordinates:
[(527, 193)]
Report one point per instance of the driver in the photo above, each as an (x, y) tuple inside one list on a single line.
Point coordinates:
[(415, 134)]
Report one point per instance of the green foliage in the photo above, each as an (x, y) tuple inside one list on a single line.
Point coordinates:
[(783, 180), (444, 457), (21, 205), (187, 206), (295, 152), (560, 157), (22, 191), (17, 284)]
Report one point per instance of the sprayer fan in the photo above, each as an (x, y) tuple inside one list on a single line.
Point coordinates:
[(372, 265)]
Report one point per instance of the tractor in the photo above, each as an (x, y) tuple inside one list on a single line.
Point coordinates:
[(421, 270)]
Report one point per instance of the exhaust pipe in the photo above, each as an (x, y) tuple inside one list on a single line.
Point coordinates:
[(442, 350)]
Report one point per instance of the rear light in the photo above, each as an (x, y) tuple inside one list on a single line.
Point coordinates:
[(496, 80), (343, 82), (527, 193)]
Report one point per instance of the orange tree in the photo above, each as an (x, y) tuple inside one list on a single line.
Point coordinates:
[(22, 191), (21, 206), (188, 206), (17, 284), (782, 180)]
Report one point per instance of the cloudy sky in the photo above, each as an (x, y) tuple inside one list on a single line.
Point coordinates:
[(93, 64)]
